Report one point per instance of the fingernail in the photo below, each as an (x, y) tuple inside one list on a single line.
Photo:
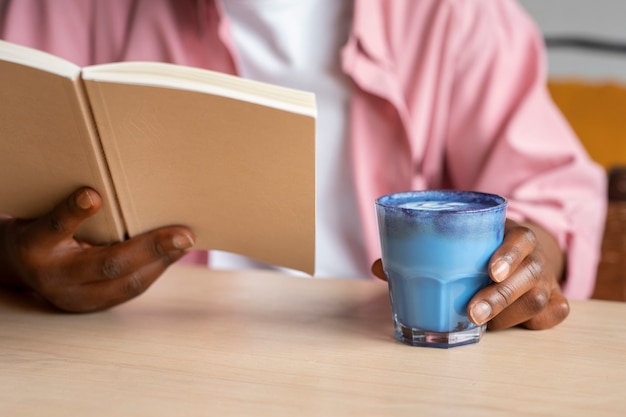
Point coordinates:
[(183, 241), (500, 270), (84, 201), (480, 312)]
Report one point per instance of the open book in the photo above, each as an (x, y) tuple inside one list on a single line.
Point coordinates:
[(164, 144)]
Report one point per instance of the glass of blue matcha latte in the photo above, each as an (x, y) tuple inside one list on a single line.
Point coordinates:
[(435, 248)]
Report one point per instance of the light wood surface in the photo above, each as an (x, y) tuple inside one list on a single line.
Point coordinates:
[(207, 343)]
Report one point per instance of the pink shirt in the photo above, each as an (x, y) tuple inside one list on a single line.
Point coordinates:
[(448, 94)]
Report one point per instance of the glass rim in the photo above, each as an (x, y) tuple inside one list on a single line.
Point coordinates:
[(498, 201)]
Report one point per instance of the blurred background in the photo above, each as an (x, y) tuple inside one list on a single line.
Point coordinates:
[(586, 43)]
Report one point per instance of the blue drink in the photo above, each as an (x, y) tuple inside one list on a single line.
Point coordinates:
[(435, 249)]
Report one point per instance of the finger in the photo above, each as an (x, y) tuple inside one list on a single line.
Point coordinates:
[(161, 246), (378, 271), (518, 243), (102, 295), (555, 312), (524, 309), (61, 223), (494, 298)]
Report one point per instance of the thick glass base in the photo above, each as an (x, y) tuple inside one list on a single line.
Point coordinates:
[(425, 338)]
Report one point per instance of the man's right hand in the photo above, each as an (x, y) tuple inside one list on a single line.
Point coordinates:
[(43, 255)]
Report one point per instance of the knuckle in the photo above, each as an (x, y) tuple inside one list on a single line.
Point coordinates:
[(534, 267), (563, 311), (555, 311), (134, 285), (157, 248), (163, 253), (537, 300), (528, 235), (111, 268), (169, 258), (505, 294)]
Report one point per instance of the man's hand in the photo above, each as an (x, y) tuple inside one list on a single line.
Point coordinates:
[(43, 255), (526, 270)]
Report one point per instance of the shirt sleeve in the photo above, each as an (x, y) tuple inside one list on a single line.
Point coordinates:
[(506, 136)]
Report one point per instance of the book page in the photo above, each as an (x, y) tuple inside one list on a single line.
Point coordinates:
[(239, 173), (48, 145), (181, 77)]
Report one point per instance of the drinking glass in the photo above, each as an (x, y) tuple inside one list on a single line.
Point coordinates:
[(435, 248)]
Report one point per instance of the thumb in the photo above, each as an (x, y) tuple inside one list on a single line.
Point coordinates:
[(61, 223)]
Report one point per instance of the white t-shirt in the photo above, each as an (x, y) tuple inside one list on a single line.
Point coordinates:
[(297, 43)]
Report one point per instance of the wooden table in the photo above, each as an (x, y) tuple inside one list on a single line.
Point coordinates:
[(208, 343)]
